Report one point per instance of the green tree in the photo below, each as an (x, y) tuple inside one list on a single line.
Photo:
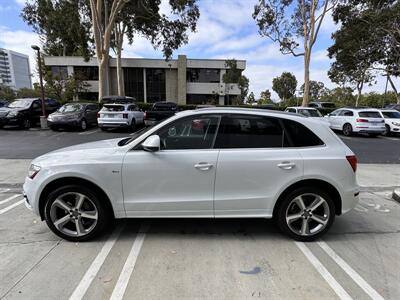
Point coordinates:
[(317, 90), (6, 93), (368, 39), (63, 26), (169, 33), (265, 98), (28, 93), (285, 85), (234, 75), (289, 23)]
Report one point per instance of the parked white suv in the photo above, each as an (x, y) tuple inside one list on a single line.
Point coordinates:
[(307, 112), (207, 163), (118, 115), (357, 120), (392, 120)]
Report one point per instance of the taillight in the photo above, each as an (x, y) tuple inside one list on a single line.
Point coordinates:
[(125, 116), (144, 115), (98, 115), (362, 120), (352, 159)]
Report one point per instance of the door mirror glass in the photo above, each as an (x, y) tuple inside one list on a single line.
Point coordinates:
[(152, 143)]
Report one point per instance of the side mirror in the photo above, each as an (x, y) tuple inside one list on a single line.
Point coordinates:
[(152, 143)]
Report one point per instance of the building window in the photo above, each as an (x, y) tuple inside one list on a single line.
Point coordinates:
[(86, 73), (133, 82), (155, 85), (201, 99), (59, 72), (203, 75)]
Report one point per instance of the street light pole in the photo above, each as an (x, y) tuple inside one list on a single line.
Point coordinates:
[(43, 120)]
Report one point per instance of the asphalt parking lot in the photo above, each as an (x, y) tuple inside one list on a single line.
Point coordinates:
[(201, 259), (28, 144)]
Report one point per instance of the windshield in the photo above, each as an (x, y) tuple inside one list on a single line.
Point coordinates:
[(113, 108), (70, 108), (369, 114), (135, 135), (310, 113), (21, 103), (391, 114)]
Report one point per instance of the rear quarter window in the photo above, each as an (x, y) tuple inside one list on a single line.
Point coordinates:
[(298, 135)]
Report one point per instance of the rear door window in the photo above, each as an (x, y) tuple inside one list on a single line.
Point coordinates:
[(249, 131)]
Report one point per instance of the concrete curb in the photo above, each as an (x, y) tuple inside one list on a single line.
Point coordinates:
[(396, 195)]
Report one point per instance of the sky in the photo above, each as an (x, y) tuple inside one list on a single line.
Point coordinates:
[(225, 30)]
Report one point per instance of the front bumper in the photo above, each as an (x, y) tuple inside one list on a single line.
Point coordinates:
[(31, 192), (10, 121)]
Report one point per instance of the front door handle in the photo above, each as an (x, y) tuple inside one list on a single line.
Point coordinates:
[(204, 166), (286, 165)]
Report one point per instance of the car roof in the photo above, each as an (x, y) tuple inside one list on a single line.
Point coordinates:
[(302, 107), (388, 110), (239, 110)]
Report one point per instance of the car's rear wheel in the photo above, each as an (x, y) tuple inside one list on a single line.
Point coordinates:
[(306, 213), (75, 213), (387, 130), (83, 125), (347, 129)]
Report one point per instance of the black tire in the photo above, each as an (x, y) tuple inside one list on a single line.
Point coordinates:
[(133, 125), (26, 123), (387, 130), (83, 125), (287, 204), (94, 202), (347, 129)]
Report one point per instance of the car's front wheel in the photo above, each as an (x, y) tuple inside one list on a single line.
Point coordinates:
[(305, 214), (75, 213), (83, 125)]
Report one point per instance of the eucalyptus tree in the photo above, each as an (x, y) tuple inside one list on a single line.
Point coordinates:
[(294, 25)]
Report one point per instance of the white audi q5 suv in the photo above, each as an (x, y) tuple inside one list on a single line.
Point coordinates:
[(207, 163)]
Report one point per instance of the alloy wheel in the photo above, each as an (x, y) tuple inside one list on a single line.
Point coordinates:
[(307, 214), (74, 214), (347, 130)]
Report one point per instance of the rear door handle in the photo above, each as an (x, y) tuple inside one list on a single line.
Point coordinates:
[(286, 165), (204, 166)]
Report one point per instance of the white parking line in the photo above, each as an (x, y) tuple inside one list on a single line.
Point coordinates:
[(4, 210), (94, 268), (4, 190), (338, 289), (123, 280), (89, 132), (351, 272), (57, 135), (9, 199)]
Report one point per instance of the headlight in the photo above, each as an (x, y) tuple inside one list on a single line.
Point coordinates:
[(12, 114), (33, 170), (396, 123)]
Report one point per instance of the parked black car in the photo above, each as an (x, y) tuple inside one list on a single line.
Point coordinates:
[(74, 115), (159, 112), (26, 112), (3, 103)]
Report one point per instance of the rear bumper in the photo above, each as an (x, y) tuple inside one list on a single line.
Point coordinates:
[(369, 129), (150, 122), (104, 124), (350, 199)]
